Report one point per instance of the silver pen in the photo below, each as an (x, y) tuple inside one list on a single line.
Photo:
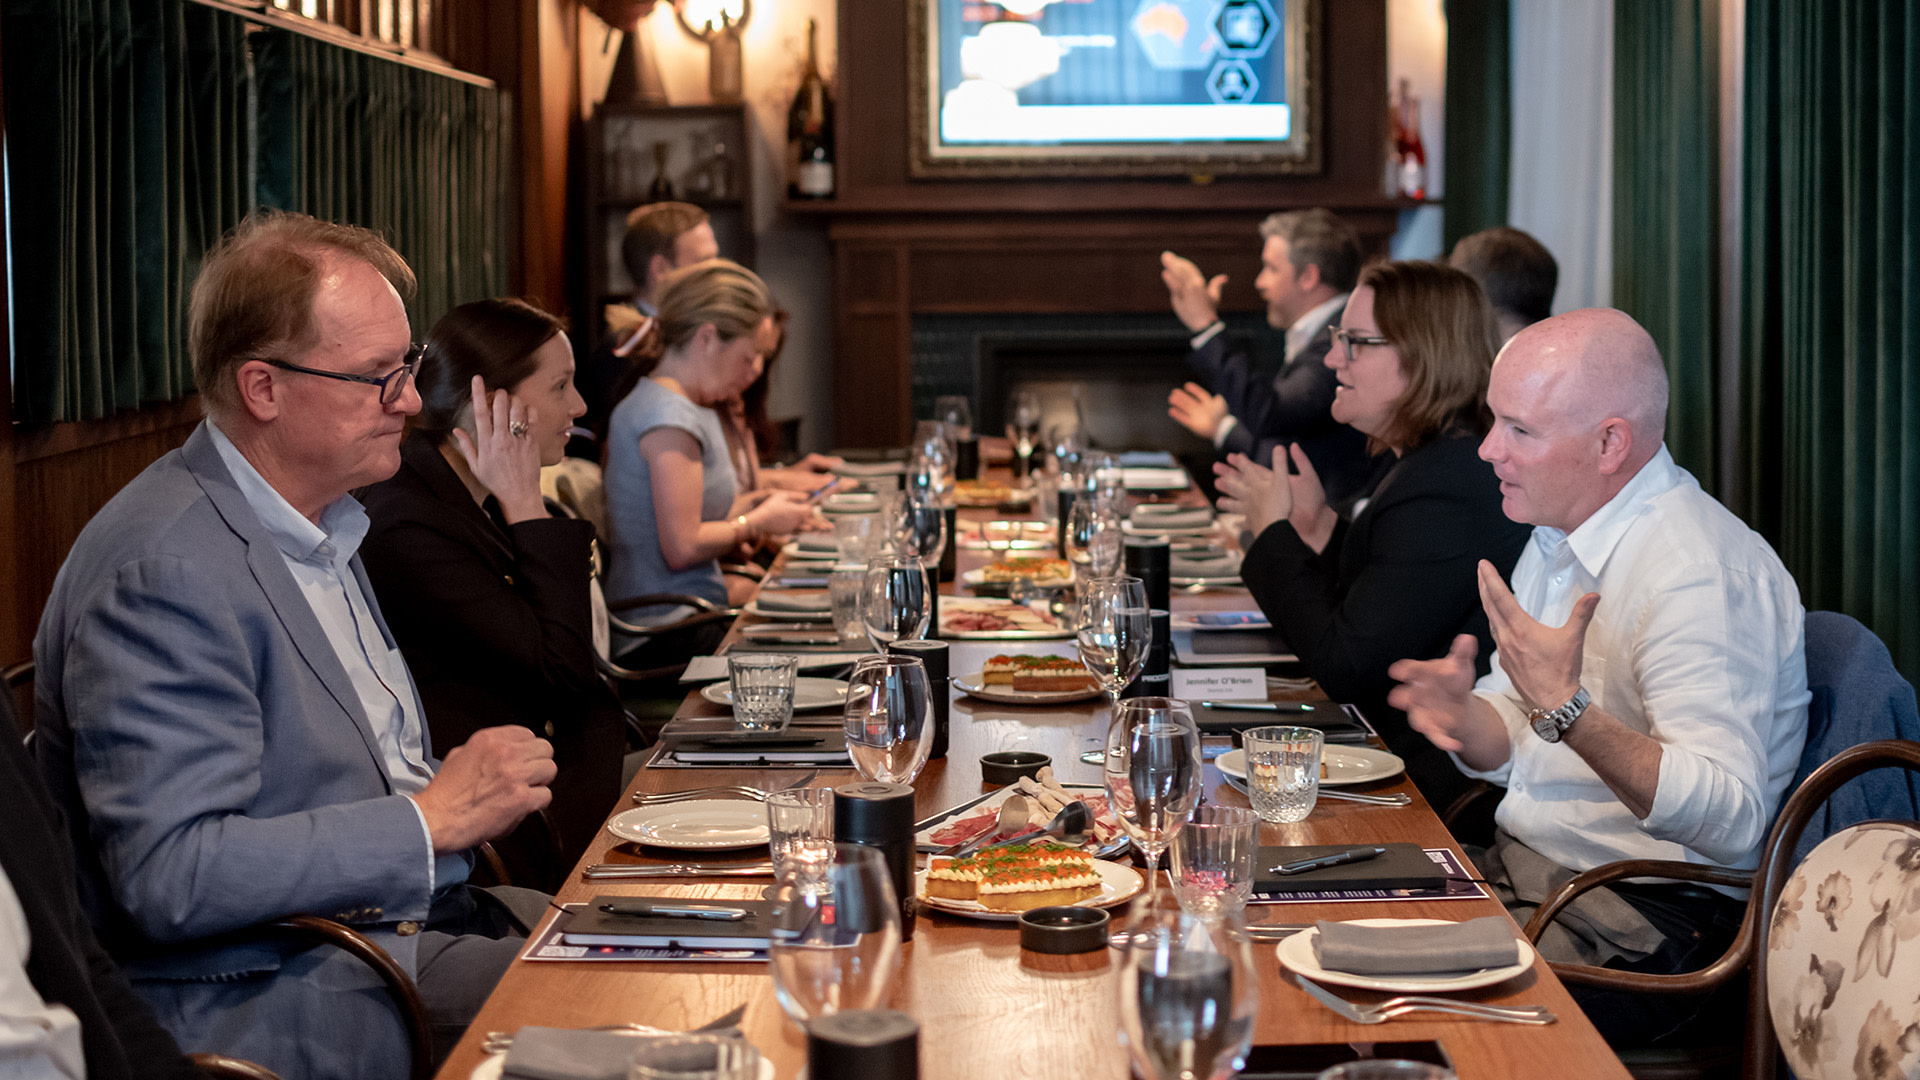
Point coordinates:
[(1261, 706), (1338, 858), (684, 911)]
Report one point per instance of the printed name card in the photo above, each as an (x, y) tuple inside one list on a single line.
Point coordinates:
[(1220, 684)]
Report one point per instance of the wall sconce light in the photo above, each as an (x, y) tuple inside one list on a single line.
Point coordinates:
[(718, 23)]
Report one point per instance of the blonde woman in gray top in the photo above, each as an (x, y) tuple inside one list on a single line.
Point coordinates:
[(673, 507)]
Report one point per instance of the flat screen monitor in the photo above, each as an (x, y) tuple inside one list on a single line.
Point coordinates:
[(1063, 87)]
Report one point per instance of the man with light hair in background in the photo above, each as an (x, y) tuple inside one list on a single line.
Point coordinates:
[(1517, 273), (1309, 260), (1648, 697)]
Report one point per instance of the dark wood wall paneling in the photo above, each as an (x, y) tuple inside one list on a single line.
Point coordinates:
[(904, 247)]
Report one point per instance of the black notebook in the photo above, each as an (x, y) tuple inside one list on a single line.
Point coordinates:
[(594, 926), (1330, 718), (1404, 866)]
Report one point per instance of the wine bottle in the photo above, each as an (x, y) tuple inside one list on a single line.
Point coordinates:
[(810, 128), (1413, 152), (661, 190)]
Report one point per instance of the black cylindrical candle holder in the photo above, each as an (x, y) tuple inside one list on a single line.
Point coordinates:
[(1156, 674), (880, 816), (966, 458), (1150, 558), (933, 654), (950, 554), (863, 1044), (1068, 493)]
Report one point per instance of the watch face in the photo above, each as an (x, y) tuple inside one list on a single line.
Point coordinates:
[(1544, 726)]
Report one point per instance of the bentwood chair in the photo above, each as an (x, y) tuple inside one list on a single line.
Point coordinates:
[(1857, 697)]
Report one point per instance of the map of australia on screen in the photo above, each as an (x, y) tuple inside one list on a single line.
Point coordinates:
[(1059, 72)]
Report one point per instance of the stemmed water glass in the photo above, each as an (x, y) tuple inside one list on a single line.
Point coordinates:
[(835, 938), (889, 718), (1023, 431), (1115, 630), (956, 413), (1153, 773), (1094, 540), (895, 603), (930, 469), (1189, 995)]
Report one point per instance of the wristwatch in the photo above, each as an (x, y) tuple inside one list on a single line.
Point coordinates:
[(1551, 724)]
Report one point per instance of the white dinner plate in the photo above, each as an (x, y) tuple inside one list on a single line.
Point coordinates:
[(1118, 884), (1296, 953), (1031, 628), (695, 825), (973, 685), (1206, 582), (753, 608), (809, 693), (978, 577), (493, 1067), (1345, 764)]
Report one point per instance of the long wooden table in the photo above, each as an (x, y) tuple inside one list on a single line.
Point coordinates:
[(986, 1009)]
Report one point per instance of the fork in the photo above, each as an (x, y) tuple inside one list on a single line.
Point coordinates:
[(1399, 1006), (644, 799)]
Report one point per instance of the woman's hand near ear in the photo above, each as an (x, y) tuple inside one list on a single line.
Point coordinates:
[(506, 464)]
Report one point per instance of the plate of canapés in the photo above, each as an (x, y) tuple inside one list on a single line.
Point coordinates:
[(1024, 679)]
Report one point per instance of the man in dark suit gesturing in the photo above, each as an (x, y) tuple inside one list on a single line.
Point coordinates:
[(223, 715), (1308, 263)]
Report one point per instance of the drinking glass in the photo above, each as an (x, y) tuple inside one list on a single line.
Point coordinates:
[(1115, 631), (1188, 995), (923, 529), (1094, 539), (896, 603), (956, 412), (695, 1056), (854, 535), (762, 685), (834, 942), (889, 718), (1153, 773), (1213, 860), (797, 818), (1023, 431), (930, 466), (1283, 771), (1067, 442), (846, 588)]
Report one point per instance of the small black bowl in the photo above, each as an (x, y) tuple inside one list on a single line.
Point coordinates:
[(1063, 931), (1006, 766)]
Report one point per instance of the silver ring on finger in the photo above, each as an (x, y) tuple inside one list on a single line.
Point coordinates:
[(518, 428)]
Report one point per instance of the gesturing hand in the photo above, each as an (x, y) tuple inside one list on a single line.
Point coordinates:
[(1196, 410), (506, 464), (1437, 695), (1543, 662), (1263, 495), (1196, 301), (485, 786)]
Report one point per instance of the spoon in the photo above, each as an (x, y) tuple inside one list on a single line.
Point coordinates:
[(1070, 826), (1015, 812)]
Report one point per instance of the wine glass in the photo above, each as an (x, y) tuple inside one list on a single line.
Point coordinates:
[(896, 603), (956, 412), (1153, 773), (1189, 995), (1094, 539), (834, 942), (1023, 431), (1115, 631), (889, 717), (930, 468)]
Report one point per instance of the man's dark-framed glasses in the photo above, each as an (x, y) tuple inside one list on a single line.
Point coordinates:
[(1347, 340), (392, 384)]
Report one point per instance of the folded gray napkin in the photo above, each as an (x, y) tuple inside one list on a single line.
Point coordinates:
[(1151, 517), (810, 602), (544, 1053), (1222, 565), (819, 544), (1415, 950)]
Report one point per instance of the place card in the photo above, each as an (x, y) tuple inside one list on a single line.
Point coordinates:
[(1220, 684)]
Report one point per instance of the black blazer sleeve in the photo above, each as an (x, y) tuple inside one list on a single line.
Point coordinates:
[(1283, 407), (1403, 581)]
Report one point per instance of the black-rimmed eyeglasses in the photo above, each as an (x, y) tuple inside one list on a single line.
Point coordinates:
[(392, 384), (1347, 340)]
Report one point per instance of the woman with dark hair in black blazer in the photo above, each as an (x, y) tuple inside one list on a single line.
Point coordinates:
[(1412, 355), (488, 594)]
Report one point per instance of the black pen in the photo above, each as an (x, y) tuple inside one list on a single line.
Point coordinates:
[(1260, 706), (1338, 858), (659, 911)]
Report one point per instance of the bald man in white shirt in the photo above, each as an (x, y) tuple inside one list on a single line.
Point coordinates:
[(1648, 697)]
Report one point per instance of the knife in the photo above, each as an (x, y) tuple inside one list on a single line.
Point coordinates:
[(1260, 706), (608, 871)]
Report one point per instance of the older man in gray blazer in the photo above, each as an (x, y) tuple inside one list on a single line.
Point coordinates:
[(225, 717)]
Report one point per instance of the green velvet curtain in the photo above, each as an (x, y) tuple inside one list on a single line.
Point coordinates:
[(416, 156), (1830, 286), (1666, 240), (1479, 116), (126, 156), (137, 135)]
